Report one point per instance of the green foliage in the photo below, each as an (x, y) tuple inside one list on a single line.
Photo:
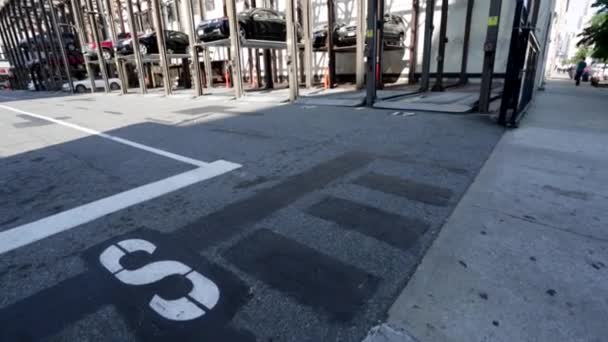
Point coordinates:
[(596, 34), (581, 54)]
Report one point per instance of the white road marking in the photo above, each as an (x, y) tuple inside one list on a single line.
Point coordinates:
[(25, 234), (204, 291), (127, 142)]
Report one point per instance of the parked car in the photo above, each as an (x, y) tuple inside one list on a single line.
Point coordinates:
[(255, 23), (176, 42), (599, 73), (31, 50), (346, 35), (107, 47), (84, 86)]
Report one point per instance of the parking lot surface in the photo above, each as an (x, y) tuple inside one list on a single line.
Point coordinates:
[(149, 218)]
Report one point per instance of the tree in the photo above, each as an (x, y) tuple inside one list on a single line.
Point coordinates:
[(596, 34), (581, 54)]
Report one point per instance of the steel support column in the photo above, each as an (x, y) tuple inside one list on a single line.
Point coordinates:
[(124, 82), (489, 56), (136, 52), (235, 48), (360, 48), (11, 31), (13, 51), (188, 10), (77, 10), (64, 56), (380, 45), (292, 50), (100, 59), (411, 78), (307, 40), (162, 47), (443, 27), (428, 45), (49, 47), (372, 56), (465, 44), (331, 53)]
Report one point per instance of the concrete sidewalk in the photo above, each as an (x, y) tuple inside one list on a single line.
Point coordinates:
[(524, 256)]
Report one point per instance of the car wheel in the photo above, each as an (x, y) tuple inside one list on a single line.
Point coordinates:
[(170, 51), (106, 54), (402, 40), (143, 49), (80, 89), (114, 86)]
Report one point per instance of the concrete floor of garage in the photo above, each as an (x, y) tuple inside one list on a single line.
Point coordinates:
[(311, 239)]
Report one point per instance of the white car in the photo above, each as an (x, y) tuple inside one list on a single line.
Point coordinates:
[(84, 86)]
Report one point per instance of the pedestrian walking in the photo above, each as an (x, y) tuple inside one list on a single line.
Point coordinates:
[(580, 68)]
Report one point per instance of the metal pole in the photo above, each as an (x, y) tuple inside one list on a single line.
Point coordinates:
[(292, 51), (64, 56), (235, 48), (489, 56), (442, 41), (136, 53), (331, 53), (100, 59), (206, 57), (380, 43), (77, 10), (120, 15), (307, 23), (428, 45), (372, 61), (124, 83), (414, 42), (162, 48), (196, 64), (12, 33), (465, 44), (360, 47), (20, 26)]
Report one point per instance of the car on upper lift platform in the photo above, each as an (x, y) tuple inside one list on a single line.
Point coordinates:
[(176, 42), (346, 35), (255, 23)]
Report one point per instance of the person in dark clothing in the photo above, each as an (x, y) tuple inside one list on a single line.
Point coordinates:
[(580, 68)]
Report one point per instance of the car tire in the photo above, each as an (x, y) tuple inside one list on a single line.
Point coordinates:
[(242, 33), (170, 51), (143, 49), (80, 89), (106, 54), (401, 40), (114, 86)]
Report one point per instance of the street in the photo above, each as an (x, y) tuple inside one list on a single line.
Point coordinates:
[(153, 218)]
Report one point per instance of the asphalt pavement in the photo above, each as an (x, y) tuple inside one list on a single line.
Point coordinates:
[(149, 218)]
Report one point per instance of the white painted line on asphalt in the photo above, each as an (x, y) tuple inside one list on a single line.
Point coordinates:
[(127, 142), (31, 232)]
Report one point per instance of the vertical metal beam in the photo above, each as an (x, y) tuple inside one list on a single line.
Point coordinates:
[(14, 38), (331, 53), (307, 40), (411, 78), (372, 56), (141, 73), (119, 14), (268, 65), (489, 56), (235, 46), (428, 45), (162, 47), (77, 10), (292, 50), (360, 47), (100, 59), (124, 82), (465, 44), (64, 56), (443, 27), (196, 64), (19, 25), (177, 14)]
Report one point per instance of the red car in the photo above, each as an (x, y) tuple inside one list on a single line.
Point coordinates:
[(107, 47)]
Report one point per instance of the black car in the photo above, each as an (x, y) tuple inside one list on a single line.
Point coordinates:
[(346, 35), (176, 42), (256, 23)]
